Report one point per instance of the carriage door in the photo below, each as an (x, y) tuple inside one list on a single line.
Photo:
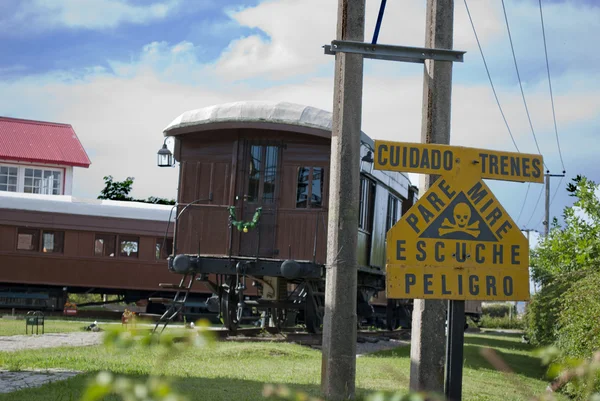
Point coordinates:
[(260, 167)]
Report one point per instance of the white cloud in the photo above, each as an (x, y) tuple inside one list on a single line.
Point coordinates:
[(119, 114), (297, 30), (90, 14)]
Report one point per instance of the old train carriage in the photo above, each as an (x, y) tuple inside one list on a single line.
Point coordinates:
[(53, 245), (252, 211)]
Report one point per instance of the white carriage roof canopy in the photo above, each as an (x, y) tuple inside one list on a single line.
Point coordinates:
[(256, 114), (89, 207)]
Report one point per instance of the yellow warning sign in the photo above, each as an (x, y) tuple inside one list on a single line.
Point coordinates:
[(459, 284), (444, 159), (456, 238)]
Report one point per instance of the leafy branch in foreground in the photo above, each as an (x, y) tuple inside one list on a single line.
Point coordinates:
[(156, 388), (579, 374)]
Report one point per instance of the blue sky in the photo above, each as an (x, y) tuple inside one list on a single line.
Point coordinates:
[(119, 71)]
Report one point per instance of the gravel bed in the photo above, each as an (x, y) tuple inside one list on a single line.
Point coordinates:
[(24, 342), (13, 381), (367, 348), (370, 347)]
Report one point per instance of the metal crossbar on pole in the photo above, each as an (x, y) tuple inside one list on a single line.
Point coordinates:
[(393, 53)]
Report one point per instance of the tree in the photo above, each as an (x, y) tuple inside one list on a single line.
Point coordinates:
[(575, 246), (119, 190), (116, 190)]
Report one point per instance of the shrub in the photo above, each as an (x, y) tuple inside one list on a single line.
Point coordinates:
[(499, 310), (579, 322), (504, 322), (545, 307)]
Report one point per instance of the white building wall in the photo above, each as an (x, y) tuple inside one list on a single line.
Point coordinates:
[(68, 189)]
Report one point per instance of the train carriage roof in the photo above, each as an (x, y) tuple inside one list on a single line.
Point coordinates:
[(88, 207), (283, 116), (254, 114)]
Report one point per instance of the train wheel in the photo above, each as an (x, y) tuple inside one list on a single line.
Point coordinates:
[(279, 318), (314, 308), (229, 308), (311, 318), (392, 318)]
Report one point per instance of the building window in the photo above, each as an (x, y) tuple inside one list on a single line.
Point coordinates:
[(28, 239), (365, 212), (309, 189), (8, 178), (168, 249), (128, 246), (394, 210), (104, 245), (53, 241), (38, 181)]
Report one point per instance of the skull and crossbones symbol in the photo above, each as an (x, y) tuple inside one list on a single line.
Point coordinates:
[(461, 216)]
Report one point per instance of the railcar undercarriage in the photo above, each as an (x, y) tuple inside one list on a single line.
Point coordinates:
[(287, 292)]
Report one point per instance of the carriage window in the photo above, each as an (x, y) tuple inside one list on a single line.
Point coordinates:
[(302, 189), (128, 247), (104, 245), (254, 179), (262, 177), (28, 239), (365, 213), (316, 198), (270, 174), (309, 189), (393, 212), (163, 253), (53, 241)]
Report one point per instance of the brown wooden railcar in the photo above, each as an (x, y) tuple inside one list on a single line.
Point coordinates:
[(51, 246), (274, 157)]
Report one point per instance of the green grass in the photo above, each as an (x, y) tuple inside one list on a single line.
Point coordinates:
[(10, 327), (238, 371)]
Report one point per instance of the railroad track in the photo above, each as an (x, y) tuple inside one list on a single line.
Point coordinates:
[(271, 334)]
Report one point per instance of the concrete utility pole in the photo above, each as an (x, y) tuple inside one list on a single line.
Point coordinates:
[(427, 352), (547, 215), (338, 368)]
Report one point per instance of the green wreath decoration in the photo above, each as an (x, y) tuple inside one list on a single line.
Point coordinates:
[(244, 225)]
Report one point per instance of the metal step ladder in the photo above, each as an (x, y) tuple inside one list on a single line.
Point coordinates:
[(174, 305)]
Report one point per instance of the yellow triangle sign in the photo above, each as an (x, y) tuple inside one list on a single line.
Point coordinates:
[(457, 242)]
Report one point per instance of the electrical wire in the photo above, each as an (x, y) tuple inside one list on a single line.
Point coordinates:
[(524, 201), (520, 83), (490, 78), (550, 86), (487, 70), (556, 190), (536, 206)]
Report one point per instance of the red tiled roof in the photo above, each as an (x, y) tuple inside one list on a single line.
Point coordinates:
[(41, 142)]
